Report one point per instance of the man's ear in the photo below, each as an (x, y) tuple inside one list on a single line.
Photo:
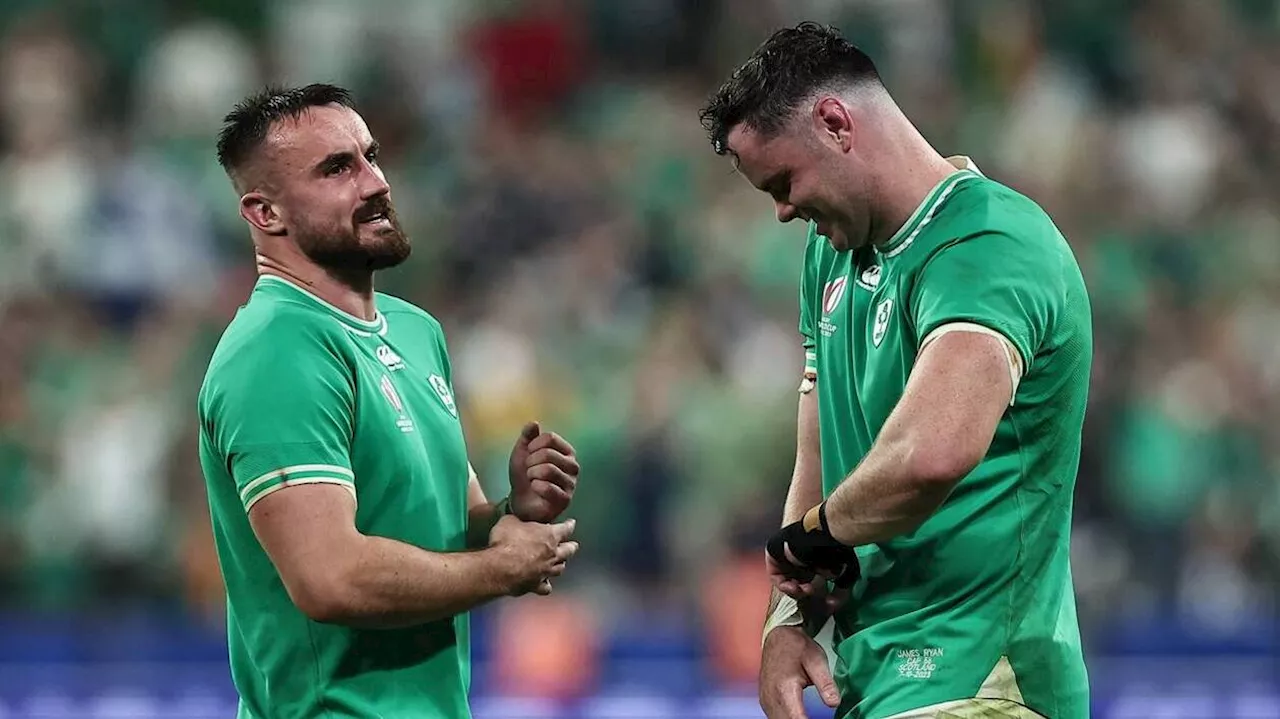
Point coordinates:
[(834, 121), (260, 212)]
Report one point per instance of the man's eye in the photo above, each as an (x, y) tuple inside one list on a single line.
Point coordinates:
[(372, 157)]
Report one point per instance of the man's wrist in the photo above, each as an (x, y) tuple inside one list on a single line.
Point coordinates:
[(809, 617), (817, 520), (783, 612), (481, 520), (805, 548), (824, 522), (502, 508)]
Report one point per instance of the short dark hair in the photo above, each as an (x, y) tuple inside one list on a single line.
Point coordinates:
[(247, 125), (791, 65)]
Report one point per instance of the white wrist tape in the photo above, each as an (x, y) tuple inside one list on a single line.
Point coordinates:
[(786, 614)]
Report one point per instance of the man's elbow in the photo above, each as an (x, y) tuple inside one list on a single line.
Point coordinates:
[(941, 465), (325, 608), (323, 597), (327, 591)]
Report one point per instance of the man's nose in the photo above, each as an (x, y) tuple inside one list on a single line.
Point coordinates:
[(786, 211), (374, 183)]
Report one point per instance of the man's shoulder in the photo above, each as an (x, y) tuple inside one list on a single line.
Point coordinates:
[(266, 321), (990, 213), (268, 330), (982, 205), (397, 310)]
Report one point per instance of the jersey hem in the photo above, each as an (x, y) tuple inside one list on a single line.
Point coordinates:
[(973, 708)]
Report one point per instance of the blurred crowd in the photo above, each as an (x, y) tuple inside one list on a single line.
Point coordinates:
[(598, 268)]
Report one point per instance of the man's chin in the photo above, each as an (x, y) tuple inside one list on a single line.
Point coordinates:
[(388, 256), (381, 254), (837, 240), (840, 241), (387, 261), (386, 247)]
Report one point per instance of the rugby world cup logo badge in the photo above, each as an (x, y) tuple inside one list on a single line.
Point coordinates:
[(832, 294), (389, 391)]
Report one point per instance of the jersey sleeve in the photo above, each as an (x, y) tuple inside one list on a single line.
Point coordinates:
[(281, 413), (808, 290), (994, 280), (442, 350)]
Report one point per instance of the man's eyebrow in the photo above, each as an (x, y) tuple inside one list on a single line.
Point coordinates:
[(343, 157), (334, 159)]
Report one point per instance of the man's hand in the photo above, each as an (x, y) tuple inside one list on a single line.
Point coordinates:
[(790, 662), (803, 554), (544, 473), (533, 552), (818, 597)]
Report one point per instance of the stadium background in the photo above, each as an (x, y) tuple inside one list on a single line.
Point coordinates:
[(598, 268)]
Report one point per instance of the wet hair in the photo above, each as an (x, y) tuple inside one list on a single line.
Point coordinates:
[(245, 128), (793, 64)]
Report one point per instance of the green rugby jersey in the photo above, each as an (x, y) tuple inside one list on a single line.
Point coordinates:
[(301, 392), (979, 600)]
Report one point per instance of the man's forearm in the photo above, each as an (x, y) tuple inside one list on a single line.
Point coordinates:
[(481, 513), (390, 584), (806, 476), (884, 497), (803, 493), (939, 431)]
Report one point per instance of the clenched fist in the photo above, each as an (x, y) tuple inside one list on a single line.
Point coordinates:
[(544, 473)]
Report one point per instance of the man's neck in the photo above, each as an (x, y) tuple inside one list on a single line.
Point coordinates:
[(352, 293), (912, 168)]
